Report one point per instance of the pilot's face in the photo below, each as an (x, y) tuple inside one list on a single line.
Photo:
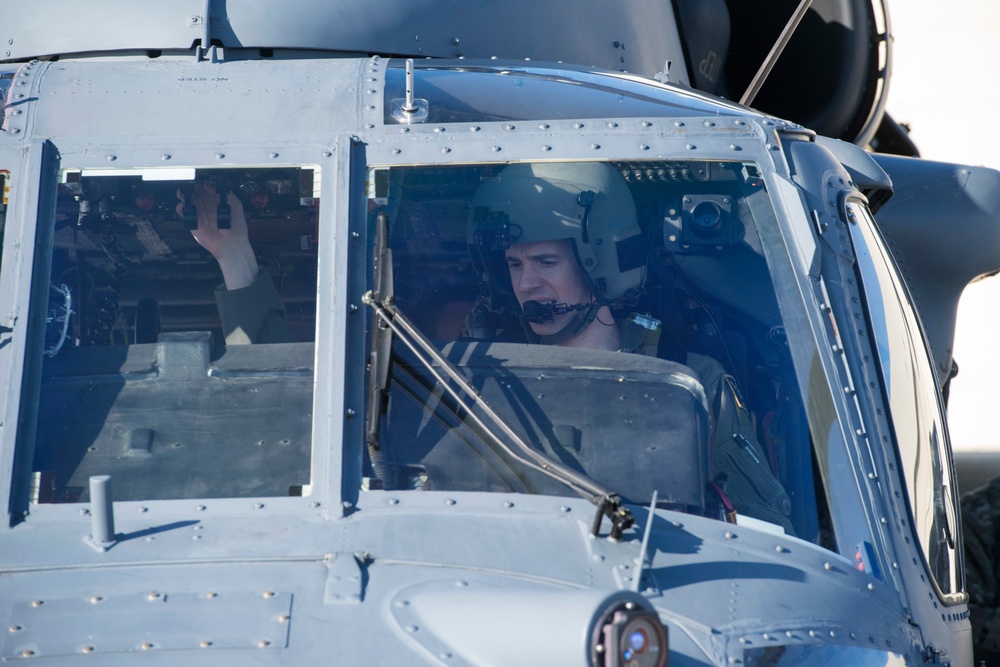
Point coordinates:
[(547, 272)]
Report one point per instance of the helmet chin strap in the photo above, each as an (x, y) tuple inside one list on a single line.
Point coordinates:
[(583, 315)]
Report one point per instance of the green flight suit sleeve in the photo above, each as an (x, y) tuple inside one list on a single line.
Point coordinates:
[(253, 314)]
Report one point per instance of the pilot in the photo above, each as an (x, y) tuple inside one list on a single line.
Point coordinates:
[(563, 241), (250, 307)]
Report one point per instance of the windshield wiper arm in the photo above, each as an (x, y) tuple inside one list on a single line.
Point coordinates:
[(609, 503), (381, 353)]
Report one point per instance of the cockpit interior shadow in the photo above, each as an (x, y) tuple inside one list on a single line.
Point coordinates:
[(175, 419), (632, 423)]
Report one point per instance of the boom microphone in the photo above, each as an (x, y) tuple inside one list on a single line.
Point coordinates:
[(535, 311)]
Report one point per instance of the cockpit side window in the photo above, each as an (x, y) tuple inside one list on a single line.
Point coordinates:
[(621, 320), (917, 416), (177, 374)]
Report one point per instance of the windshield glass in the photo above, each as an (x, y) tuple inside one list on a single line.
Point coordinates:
[(486, 92), (620, 318), (158, 282), (918, 420)]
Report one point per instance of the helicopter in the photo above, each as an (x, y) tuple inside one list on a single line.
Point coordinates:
[(404, 475)]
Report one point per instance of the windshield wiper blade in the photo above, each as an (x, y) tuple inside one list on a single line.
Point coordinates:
[(609, 504), (381, 352)]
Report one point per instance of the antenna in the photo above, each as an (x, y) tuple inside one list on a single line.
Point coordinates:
[(409, 109), (409, 106), (772, 57)]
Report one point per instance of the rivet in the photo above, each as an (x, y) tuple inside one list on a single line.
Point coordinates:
[(86, 649), (393, 501), (370, 126), (268, 595), (350, 412), (445, 150), (204, 643), (111, 158), (596, 147), (396, 151), (496, 149), (283, 618), (449, 501), (15, 130), (871, 586), (579, 126), (543, 126), (145, 646), (272, 155), (263, 643), (220, 156), (15, 628), (508, 504), (509, 127), (153, 596), (404, 129), (37, 603), (474, 128), (643, 147), (165, 156), (691, 147), (411, 628), (95, 599), (546, 148), (679, 123), (461, 584), (211, 595), (27, 653), (199, 508), (142, 510), (730, 535), (565, 508), (646, 123), (827, 566), (258, 506)]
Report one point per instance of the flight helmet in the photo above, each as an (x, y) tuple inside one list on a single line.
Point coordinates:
[(588, 203)]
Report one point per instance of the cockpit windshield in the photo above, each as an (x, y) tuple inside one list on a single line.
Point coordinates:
[(618, 318), (178, 334)]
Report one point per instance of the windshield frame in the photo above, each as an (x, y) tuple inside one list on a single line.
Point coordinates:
[(321, 491), (723, 139)]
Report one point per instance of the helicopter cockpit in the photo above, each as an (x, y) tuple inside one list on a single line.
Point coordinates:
[(640, 422), (138, 382)]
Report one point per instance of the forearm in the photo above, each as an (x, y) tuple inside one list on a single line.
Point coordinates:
[(239, 267)]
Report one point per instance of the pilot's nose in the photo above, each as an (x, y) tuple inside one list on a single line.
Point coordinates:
[(527, 279)]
